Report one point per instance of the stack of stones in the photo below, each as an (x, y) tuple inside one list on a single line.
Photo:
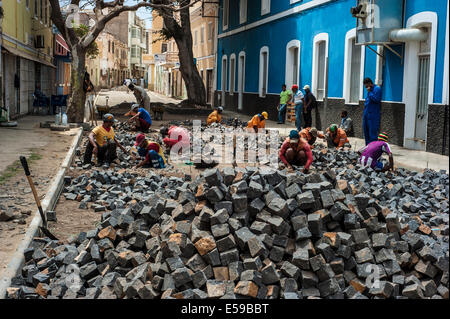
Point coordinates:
[(250, 233)]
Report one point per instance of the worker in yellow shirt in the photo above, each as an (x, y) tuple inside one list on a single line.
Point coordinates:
[(258, 121), (103, 143), (215, 116)]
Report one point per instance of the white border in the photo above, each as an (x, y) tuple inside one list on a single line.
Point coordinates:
[(264, 12), (351, 34), (225, 26), (243, 4), (263, 49), (445, 81), (241, 76), (318, 38), (231, 88), (223, 87), (287, 80)]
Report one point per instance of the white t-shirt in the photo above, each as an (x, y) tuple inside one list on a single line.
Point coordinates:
[(298, 97)]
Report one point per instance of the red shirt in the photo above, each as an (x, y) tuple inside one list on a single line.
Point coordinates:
[(302, 145)]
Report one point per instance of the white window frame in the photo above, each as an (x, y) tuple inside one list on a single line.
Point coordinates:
[(195, 37), (202, 34), (266, 11), (351, 34), (318, 38), (226, 8), (264, 49), (288, 73), (210, 31), (242, 11), (240, 70), (445, 81), (223, 84), (232, 80)]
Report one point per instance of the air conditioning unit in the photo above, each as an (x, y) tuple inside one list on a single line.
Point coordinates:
[(39, 44), (375, 19)]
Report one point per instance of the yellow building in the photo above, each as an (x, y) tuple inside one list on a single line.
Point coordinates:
[(27, 53)]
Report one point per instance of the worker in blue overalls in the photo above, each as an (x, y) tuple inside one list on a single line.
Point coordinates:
[(371, 115)]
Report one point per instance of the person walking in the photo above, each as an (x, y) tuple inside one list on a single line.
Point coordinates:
[(371, 114), (298, 101), (310, 103), (285, 97)]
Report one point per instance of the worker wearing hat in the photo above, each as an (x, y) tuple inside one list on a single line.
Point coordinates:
[(151, 152), (296, 151), (258, 121), (141, 96), (297, 101), (310, 134), (370, 154), (141, 117), (215, 116), (336, 137), (103, 143)]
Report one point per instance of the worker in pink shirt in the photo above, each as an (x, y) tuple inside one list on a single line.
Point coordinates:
[(296, 151), (370, 154), (175, 135)]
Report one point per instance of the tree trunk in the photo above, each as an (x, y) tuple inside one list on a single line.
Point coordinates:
[(183, 37), (76, 105)]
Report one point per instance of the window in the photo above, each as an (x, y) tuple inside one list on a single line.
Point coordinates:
[(243, 11), (265, 7), (109, 46), (163, 47), (36, 5), (113, 47), (195, 37), (353, 69), (134, 51), (320, 54), (134, 33), (263, 71), (45, 13), (27, 4), (232, 73), (42, 15), (202, 34), (292, 63), (210, 31), (226, 14), (223, 82)]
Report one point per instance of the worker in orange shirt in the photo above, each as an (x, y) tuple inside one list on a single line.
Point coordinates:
[(215, 116), (336, 137), (258, 121), (311, 134)]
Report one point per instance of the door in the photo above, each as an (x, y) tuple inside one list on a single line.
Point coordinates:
[(17, 89), (224, 80), (241, 82), (422, 97), (209, 85), (9, 70)]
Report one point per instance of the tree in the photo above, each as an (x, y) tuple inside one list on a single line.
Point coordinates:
[(104, 11)]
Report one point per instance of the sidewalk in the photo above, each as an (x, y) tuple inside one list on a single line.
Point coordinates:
[(406, 158), (119, 96)]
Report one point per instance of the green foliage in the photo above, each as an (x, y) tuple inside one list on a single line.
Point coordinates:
[(15, 167), (163, 35), (92, 50)]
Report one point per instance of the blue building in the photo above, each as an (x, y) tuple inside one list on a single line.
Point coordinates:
[(265, 43)]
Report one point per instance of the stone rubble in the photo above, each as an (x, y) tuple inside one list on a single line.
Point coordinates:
[(242, 233)]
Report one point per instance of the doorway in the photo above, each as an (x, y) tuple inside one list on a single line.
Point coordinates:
[(209, 85), (241, 81)]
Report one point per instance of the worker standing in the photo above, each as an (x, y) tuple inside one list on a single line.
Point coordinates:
[(370, 154), (103, 143), (371, 114), (310, 103), (258, 121), (141, 96), (336, 137), (296, 151), (285, 97), (298, 101), (215, 116)]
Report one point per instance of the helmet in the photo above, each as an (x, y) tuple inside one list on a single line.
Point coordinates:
[(220, 109), (333, 128), (108, 118), (134, 106), (313, 131), (306, 87), (266, 116), (164, 131)]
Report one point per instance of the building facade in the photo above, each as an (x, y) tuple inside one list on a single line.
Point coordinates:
[(263, 44), (27, 54), (203, 26), (63, 61)]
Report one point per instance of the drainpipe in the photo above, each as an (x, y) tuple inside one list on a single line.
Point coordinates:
[(408, 34)]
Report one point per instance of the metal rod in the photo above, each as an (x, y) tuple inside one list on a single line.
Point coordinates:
[(393, 51), (376, 52)]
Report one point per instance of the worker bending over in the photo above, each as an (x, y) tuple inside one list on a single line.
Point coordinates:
[(310, 134), (215, 116), (336, 137), (151, 152), (141, 96), (103, 143), (370, 154), (141, 117), (258, 121), (174, 135), (296, 151)]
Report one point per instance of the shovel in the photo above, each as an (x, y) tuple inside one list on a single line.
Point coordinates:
[(43, 228)]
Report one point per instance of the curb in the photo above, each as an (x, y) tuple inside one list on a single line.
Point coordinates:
[(48, 203)]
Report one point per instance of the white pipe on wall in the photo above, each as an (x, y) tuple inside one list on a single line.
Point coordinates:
[(409, 34)]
